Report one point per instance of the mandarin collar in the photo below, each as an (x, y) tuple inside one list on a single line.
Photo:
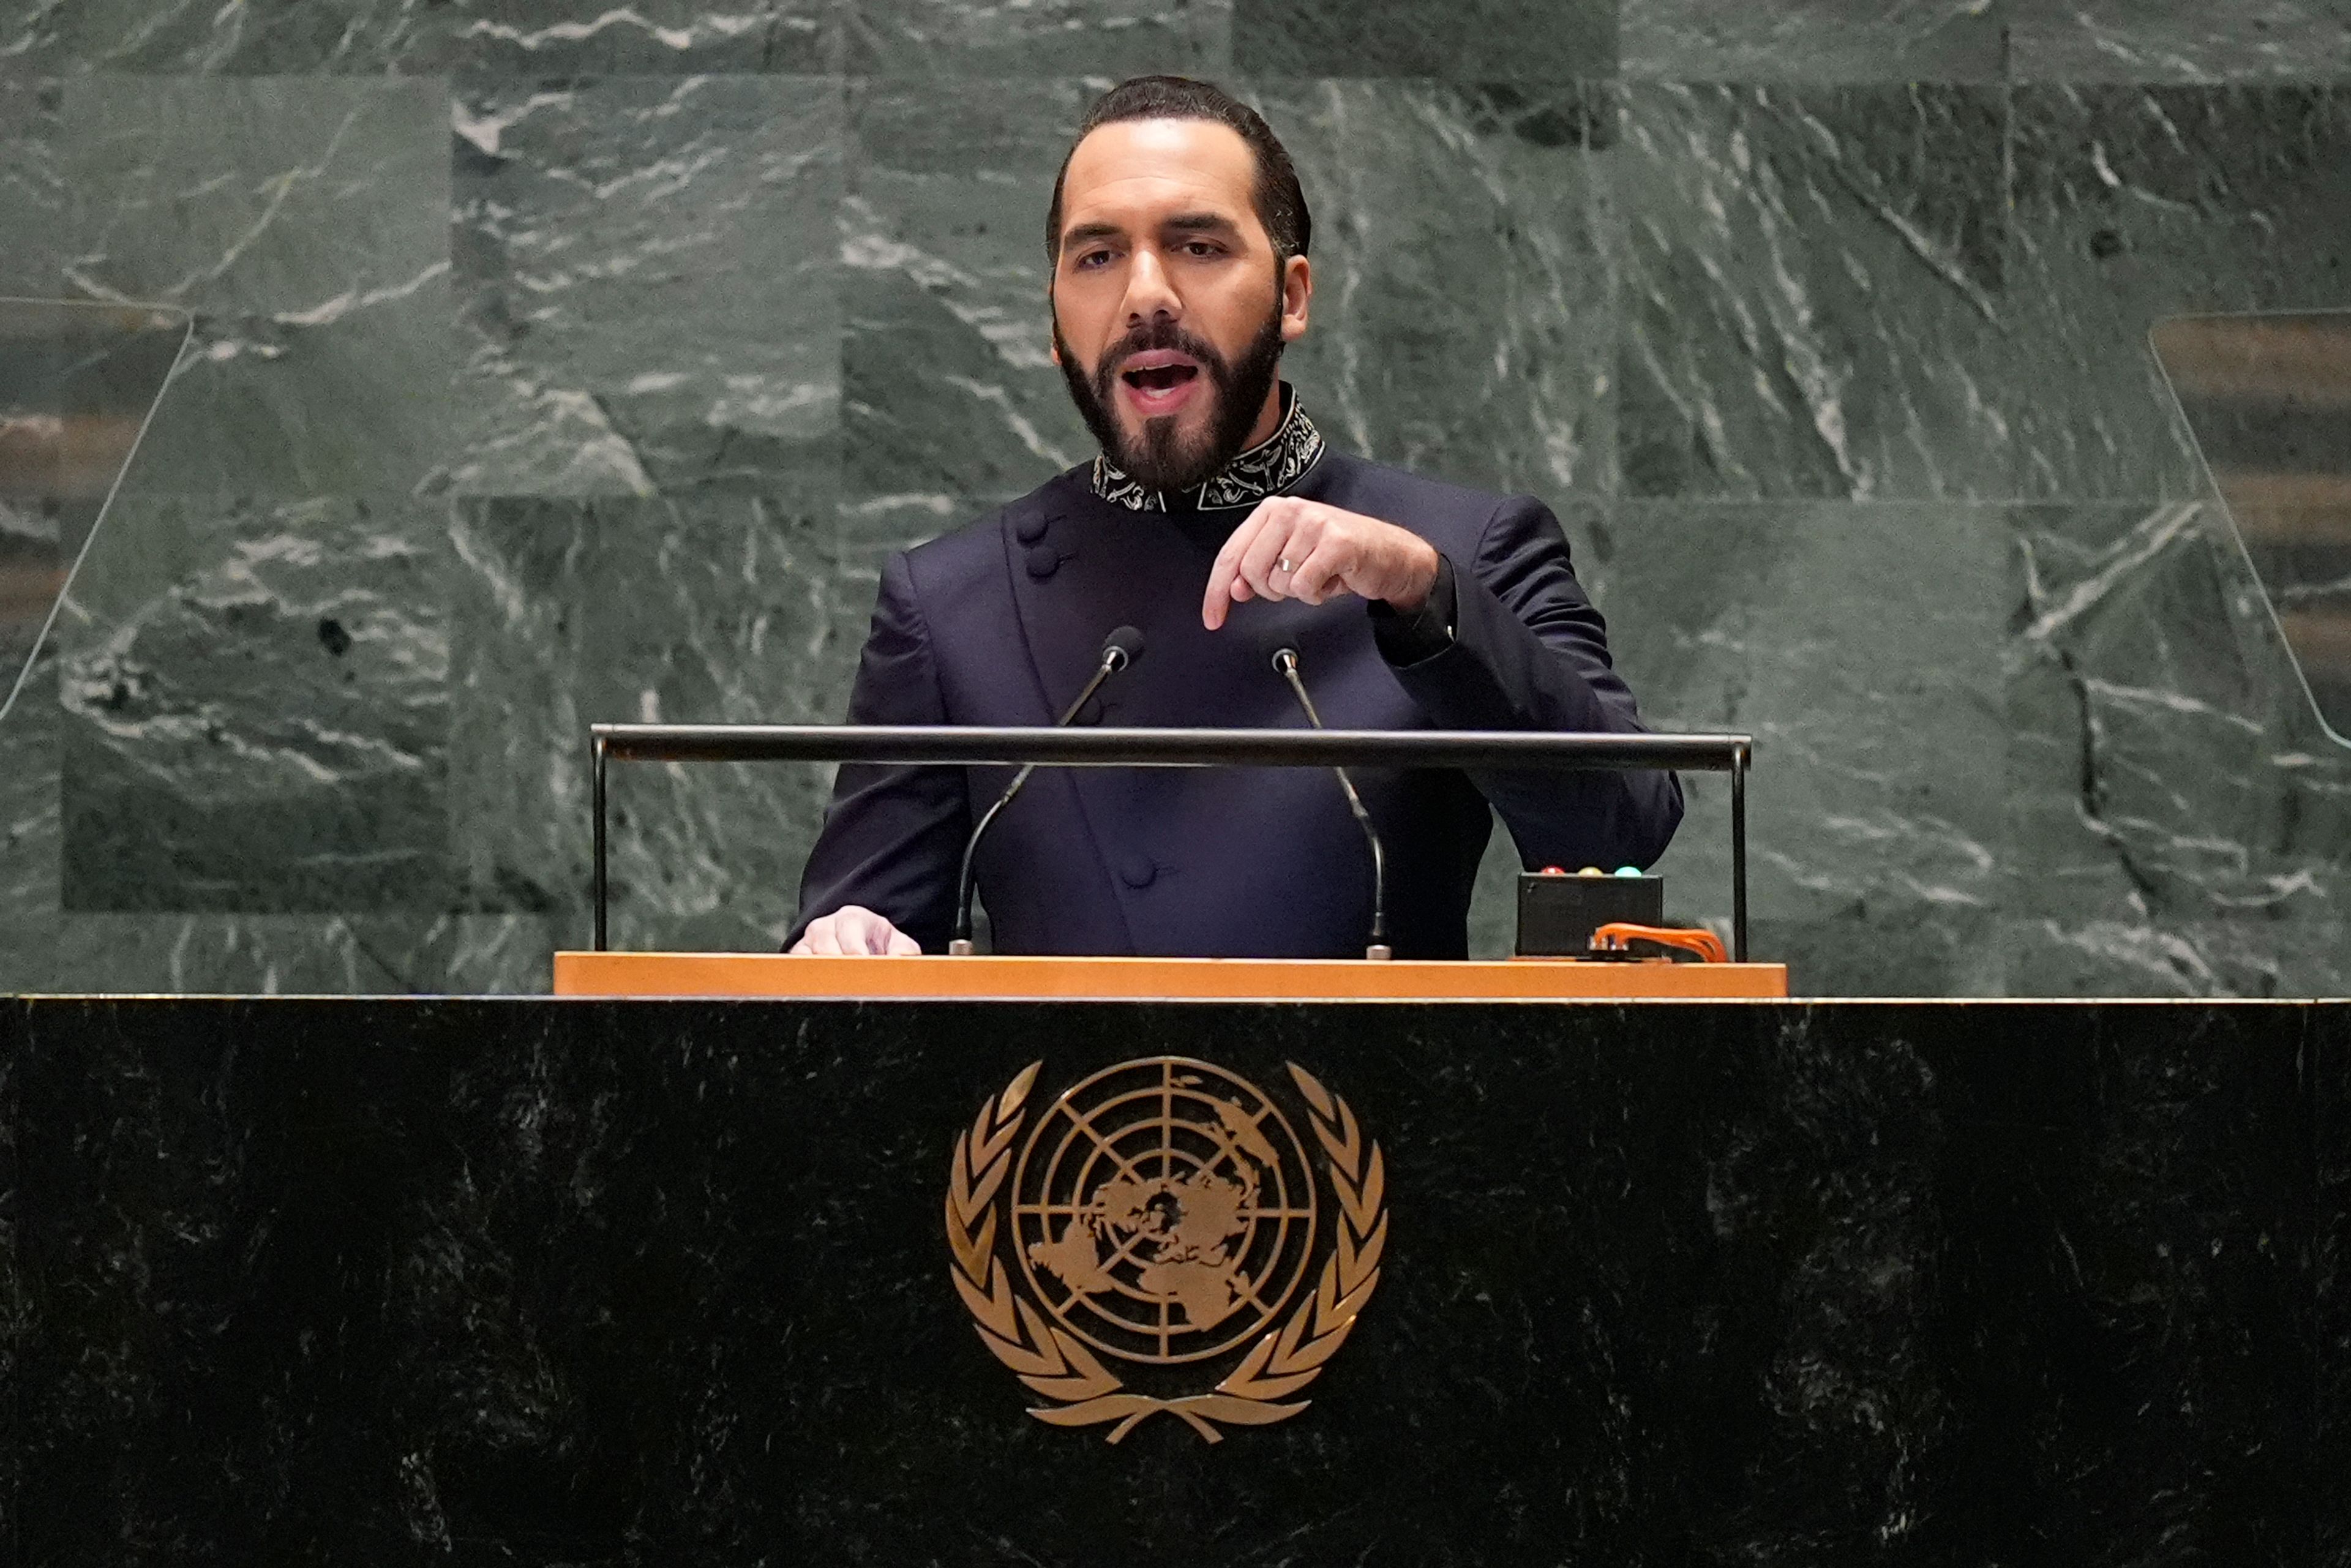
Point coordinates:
[(1268, 468)]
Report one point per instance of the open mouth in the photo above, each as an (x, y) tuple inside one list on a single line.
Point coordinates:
[(1160, 378), (1159, 381)]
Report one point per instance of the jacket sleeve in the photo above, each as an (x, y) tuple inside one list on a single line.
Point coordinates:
[(892, 837), (1529, 652)]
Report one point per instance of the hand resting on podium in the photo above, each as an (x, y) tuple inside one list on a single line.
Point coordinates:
[(854, 932)]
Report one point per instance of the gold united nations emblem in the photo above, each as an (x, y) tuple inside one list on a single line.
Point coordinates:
[(1165, 1214)]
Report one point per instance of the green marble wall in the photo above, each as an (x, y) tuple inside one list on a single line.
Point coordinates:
[(556, 362)]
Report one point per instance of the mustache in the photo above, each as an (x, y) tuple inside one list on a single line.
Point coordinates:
[(1153, 335)]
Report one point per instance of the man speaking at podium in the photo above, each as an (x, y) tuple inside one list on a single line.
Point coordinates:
[(1219, 524)]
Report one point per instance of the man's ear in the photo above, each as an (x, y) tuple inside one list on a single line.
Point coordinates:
[(1297, 294)]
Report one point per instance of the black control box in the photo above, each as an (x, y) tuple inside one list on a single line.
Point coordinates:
[(1559, 911)]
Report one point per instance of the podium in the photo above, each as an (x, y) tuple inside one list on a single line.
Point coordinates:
[(700, 1281), (1153, 980)]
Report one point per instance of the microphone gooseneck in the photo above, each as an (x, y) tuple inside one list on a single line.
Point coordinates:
[(1285, 664), (1119, 650)]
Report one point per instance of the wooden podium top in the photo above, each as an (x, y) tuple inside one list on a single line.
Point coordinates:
[(1139, 979)]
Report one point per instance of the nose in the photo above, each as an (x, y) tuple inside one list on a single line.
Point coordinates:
[(1149, 294)]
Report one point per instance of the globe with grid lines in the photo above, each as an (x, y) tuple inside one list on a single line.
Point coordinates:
[(1164, 1209)]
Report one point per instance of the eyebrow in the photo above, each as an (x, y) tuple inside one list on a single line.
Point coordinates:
[(1079, 235), (1200, 223), (1182, 222)]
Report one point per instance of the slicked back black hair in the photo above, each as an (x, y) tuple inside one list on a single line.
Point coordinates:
[(1281, 204)]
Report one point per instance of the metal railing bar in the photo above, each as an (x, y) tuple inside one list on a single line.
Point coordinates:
[(978, 745), (972, 745)]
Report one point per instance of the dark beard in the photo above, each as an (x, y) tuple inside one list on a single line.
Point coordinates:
[(1161, 459)]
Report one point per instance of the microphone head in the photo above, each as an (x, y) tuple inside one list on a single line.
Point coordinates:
[(1275, 643), (1122, 647)]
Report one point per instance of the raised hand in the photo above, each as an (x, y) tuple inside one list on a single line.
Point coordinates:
[(1294, 548)]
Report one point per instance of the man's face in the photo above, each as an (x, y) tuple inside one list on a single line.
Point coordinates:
[(1169, 312)]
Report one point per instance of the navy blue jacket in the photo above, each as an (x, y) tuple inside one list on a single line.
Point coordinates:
[(1001, 622)]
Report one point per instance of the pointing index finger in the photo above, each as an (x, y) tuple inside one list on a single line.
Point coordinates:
[(1220, 596)]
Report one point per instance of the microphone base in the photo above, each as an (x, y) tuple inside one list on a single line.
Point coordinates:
[(1378, 953), (961, 948)]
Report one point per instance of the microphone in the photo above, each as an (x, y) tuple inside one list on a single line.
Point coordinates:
[(1285, 664), (1120, 649)]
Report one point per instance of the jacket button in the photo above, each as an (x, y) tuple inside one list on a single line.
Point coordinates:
[(1029, 529), (1044, 560), (1138, 872)]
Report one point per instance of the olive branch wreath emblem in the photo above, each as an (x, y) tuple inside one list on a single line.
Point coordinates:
[(1055, 1363)]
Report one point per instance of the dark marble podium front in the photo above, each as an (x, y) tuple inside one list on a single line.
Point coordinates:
[(540, 1282)]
